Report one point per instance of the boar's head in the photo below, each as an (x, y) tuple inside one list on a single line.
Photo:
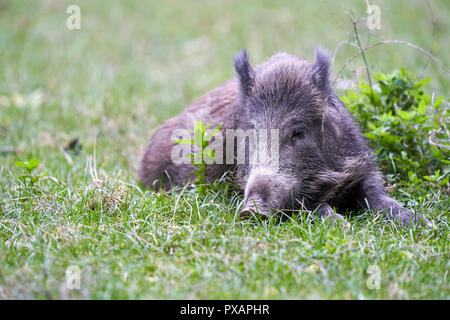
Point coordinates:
[(289, 101)]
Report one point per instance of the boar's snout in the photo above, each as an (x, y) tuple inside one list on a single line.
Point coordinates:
[(262, 193), (254, 205)]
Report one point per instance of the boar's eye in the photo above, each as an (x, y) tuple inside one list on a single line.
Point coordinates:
[(298, 133)]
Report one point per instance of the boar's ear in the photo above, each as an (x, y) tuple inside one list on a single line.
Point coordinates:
[(244, 72), (321, 69)]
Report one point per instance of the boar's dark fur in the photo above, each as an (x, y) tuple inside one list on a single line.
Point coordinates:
[(324, 161)]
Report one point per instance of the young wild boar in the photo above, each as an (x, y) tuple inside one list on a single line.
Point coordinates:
[(322, 160)]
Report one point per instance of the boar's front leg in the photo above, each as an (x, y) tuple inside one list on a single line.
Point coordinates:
[(376, 199), (325, 211)]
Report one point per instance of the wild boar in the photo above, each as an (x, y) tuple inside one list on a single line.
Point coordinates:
[(321, 161)]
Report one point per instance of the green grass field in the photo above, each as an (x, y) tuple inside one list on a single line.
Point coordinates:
[(134, 64)]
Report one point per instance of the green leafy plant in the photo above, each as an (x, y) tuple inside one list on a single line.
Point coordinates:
[(29, 167), (399, 127), (201, 140)]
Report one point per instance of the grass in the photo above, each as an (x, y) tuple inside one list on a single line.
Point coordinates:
[(110, 84)]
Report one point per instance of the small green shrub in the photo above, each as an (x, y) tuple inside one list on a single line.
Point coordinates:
[(201, 140), (29, 167), (398, 120)]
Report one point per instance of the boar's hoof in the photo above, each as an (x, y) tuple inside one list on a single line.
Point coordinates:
[(326, 212), (395, 211), (408, 217)]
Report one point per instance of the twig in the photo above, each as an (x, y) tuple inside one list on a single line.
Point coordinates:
[(406, 43), (432, 135), (433, 31), (355, 29), (339, 45)]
